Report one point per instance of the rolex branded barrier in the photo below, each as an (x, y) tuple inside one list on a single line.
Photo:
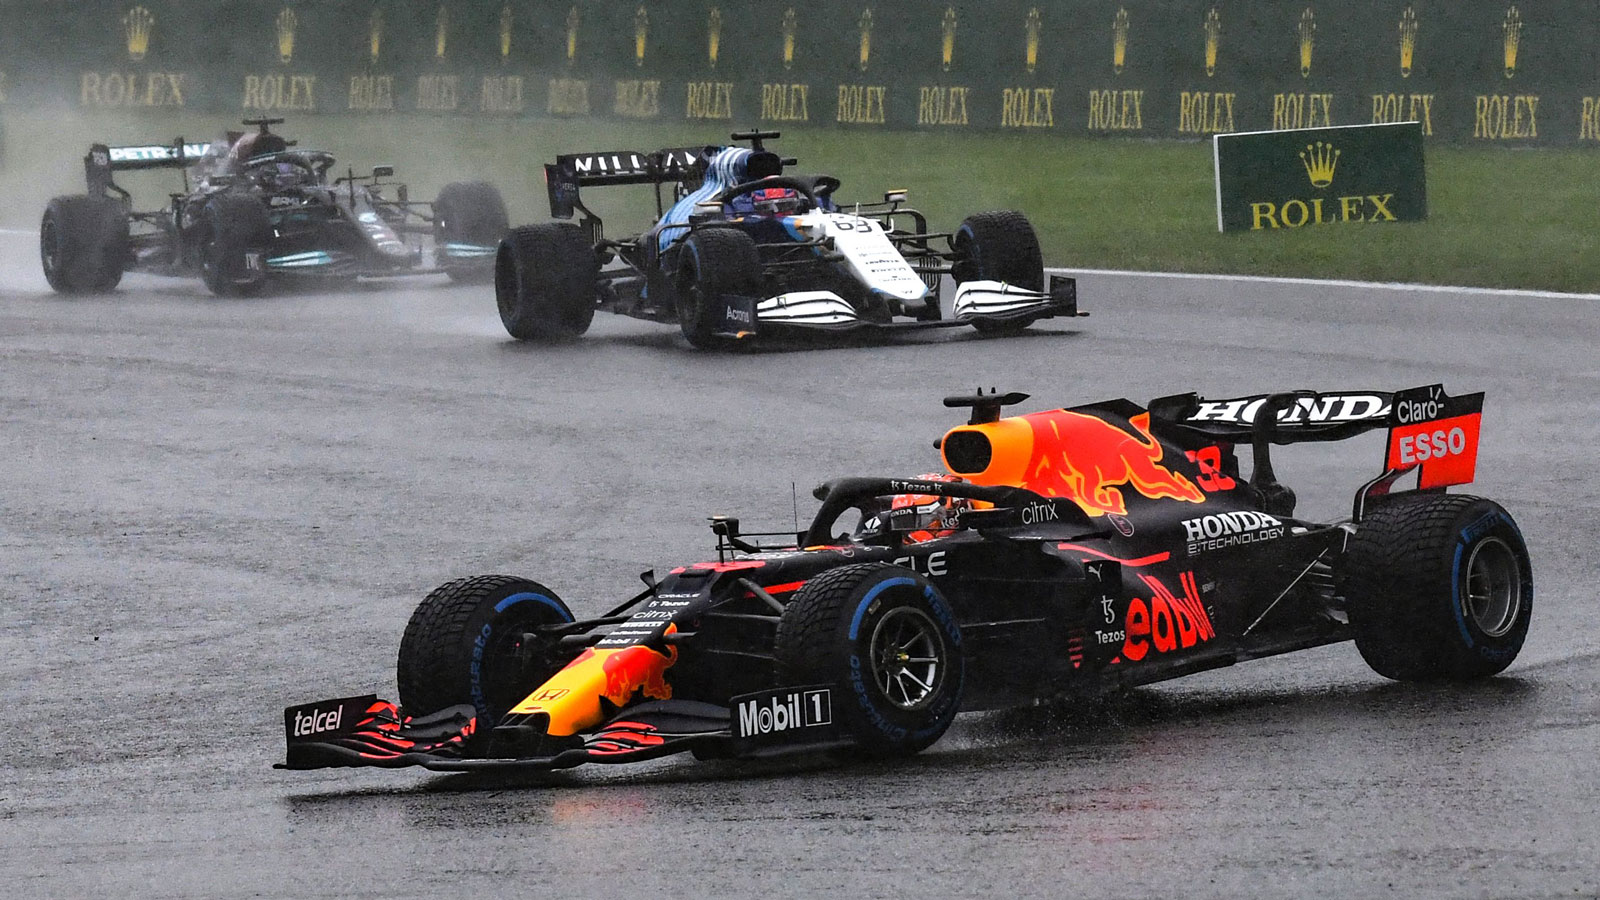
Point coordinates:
[(1466, 70)]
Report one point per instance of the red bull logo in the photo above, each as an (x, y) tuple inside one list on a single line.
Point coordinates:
[(1088, 459), (637, 668)]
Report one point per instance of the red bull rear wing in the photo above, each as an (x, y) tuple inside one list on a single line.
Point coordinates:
[(1429, 430)]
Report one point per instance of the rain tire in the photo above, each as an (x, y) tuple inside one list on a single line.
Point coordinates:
[(835, 631), (714, 262), (545, 282), (468, 212), (1440, 587), (464, 644), (83, 244), (998, 246), (232, 228)]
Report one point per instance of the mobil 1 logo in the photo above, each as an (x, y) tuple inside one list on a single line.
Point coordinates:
[(783, 717)]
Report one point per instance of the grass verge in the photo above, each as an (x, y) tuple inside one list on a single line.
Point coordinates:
[(1498, 218)]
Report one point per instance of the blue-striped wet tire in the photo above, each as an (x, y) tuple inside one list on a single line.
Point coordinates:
[(467, 643), (714, 262), (1439, 587), (888, 641)]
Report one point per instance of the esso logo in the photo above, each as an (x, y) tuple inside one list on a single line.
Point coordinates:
[(1418, 448)]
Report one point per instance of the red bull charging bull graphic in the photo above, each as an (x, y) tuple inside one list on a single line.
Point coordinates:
[(1061, 453)]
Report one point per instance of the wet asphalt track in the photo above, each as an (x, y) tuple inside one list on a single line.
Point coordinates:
[(209, 509)]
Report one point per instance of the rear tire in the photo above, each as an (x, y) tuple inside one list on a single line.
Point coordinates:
[(234, 230), (714, 262), (83, 244), (998, 246), (474, 214), (545, 282), (890, 643), (464, 644), (1439, 587)]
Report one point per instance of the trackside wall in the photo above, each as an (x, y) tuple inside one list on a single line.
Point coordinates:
[(1472, 71)]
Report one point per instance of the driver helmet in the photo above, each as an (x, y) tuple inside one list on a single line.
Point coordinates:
[(775, 201), (287, 175), (919, 517), (256, 143)]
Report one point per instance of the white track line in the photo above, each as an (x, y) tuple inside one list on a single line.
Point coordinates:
[(1335, 282), (20, 232)]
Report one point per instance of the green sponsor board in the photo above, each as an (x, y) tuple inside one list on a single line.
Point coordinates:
[(1516, 72), (1345, 175)]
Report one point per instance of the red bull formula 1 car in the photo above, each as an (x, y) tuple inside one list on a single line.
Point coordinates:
[(1066, 553), (746, 250), (255, 209)]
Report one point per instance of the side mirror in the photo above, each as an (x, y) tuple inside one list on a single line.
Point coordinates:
[(383, 171), (894, 196)]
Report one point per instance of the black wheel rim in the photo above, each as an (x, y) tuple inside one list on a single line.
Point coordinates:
[(907, 656), (1492, 596)]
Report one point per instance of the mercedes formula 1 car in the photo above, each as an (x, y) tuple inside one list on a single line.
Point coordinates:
[(254, 208), (1066, 553), (747, 250)]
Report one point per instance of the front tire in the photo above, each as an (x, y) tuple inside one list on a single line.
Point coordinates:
[(465, 643), (235, 233), (714, 262), (888, 640), (998, 246), (472, 215), (1439, 587), (83, 244), (545, 282)]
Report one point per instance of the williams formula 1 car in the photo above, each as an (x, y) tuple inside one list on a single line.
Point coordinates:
[(1067, 553), (254, 208), (747, 250)]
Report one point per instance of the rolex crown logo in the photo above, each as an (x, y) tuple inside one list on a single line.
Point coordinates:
[(1119, 41), (641, 32), (441, 32), (375, 34), (1213, 29), (136, 25), (1513, 32), (1031, 27), (1320, 159), (947, 47), (1408, 41), (572, 35), (1308, 35), (714, 35), (866, 37), (789, 28), (286, 24), (506, 21)]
